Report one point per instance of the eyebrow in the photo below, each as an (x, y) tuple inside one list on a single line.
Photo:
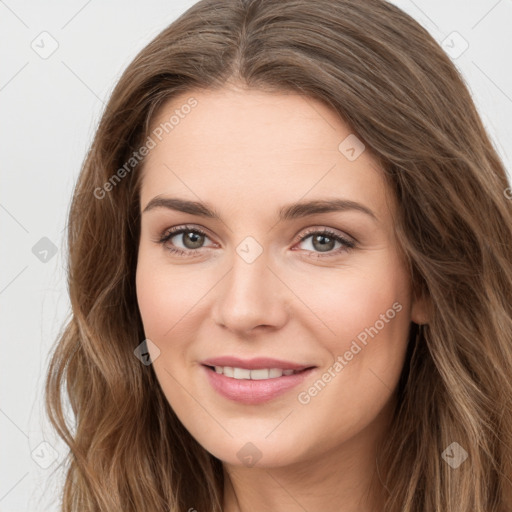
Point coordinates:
[(287, 212)]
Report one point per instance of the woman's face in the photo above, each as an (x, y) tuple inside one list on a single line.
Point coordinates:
[(287, 261)]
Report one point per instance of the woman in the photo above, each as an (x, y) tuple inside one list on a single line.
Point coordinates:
[(290, 273)]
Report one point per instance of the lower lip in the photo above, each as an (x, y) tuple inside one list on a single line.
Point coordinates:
[(253, 392)]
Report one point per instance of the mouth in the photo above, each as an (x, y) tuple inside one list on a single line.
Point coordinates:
[(253, 386), (234, 372)]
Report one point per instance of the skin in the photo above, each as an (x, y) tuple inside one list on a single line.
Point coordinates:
[(247, 153)]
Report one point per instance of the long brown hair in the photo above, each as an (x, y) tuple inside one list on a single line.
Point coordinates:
[(400, 93)]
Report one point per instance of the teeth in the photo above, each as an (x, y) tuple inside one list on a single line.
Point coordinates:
[(256, 374), (241, 373), (259, 374)]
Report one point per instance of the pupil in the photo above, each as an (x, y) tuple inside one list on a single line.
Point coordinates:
[(193, 240), (323, 247)]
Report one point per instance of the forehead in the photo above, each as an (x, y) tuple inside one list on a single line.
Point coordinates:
[(245, 147)]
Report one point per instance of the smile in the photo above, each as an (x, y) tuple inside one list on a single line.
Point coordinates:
[(254, 374), (254, 386)]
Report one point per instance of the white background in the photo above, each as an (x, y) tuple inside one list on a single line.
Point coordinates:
[(49, 110)]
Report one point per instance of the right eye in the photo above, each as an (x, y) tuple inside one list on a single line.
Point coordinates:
[(192, 239)]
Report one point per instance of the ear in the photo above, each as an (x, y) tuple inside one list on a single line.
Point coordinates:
[(420, 309)]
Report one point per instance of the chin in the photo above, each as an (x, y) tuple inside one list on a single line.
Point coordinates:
[(257, 452)]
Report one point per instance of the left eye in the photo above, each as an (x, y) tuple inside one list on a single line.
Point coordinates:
[(325, 241)]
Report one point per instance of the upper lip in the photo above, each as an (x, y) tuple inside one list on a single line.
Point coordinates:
[(255, 363)]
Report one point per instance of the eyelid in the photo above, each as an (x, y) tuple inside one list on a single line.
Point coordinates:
[(324, 229)]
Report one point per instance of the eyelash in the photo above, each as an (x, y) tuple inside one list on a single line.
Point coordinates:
[(170, 233)]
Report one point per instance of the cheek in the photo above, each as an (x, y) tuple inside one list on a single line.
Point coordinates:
[(164, 300), (156, 307), (164, 296), (358, 301), (370, 315), (367, 311)]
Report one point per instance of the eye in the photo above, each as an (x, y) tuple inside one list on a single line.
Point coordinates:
[(322, 242), (191, 240)]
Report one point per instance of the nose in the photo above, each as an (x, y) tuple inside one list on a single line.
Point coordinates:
[(252, 296)]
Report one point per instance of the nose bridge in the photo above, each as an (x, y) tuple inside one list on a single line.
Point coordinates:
[(250, 295)]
